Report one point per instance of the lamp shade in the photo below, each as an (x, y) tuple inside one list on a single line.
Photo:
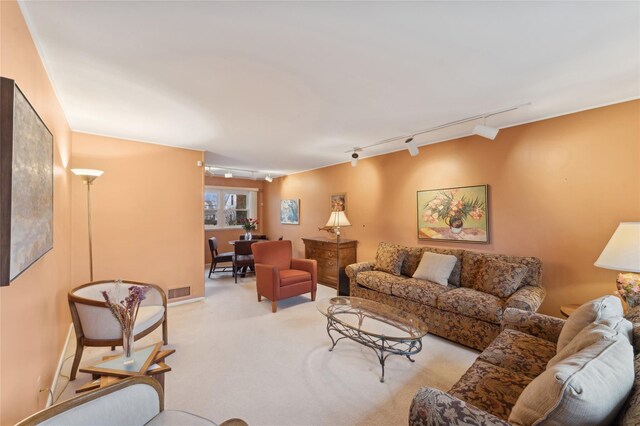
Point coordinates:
[(338, 219), (622, 252), (87, 172)]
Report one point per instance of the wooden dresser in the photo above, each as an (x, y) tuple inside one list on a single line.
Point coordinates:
[(325, 250)]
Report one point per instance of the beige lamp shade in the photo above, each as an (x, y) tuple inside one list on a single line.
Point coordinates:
[(622, 252), (338, 219)]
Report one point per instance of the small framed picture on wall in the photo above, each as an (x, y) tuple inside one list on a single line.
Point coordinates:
[(290, 211), (339, 202)]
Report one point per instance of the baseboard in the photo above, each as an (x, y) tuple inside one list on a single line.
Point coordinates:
[(54, 383), (184, 302)]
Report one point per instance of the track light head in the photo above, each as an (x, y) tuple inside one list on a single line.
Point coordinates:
[(228, 174), (411, 147), (485, 131), (269, 178), (354, 159)]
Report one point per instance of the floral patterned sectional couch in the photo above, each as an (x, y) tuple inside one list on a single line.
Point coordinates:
[(467, 310)]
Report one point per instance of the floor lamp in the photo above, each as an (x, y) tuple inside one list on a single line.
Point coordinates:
[(88, 176), (336, 220)]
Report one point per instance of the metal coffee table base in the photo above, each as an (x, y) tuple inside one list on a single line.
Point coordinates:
[(382, 346)]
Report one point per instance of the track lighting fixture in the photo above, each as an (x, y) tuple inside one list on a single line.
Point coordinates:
[(354, 159), (211, 170), (269, 178), (411, 147), (228, 174), (485, 131), (480, 130)]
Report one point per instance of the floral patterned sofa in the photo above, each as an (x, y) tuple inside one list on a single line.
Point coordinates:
[(457, 311), (488, 391)]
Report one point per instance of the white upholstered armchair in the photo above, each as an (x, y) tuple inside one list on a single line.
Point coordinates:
[(95, 325), (133, 401)]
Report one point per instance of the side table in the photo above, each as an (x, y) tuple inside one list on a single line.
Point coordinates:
[(567, 310), (148, 361)]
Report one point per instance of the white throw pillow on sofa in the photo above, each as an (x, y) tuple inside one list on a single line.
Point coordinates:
[(586, 388), (435, 267), (603, 308), (606, 329)]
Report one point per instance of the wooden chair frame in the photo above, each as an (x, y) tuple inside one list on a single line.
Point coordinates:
[(82, 340)]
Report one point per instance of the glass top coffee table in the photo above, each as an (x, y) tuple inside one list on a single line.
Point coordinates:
[(386, 330)]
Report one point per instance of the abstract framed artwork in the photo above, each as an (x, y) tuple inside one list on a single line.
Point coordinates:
[(26, 184), (290, 212), (454, 214), (339, 202)]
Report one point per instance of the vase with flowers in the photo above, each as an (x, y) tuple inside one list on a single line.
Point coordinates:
[(452, 211), (629, 289), (126, 311), (249, 225)]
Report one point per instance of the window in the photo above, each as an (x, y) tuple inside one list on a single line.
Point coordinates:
[(228, 207)]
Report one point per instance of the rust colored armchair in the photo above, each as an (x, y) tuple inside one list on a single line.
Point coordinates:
[(279, 276)]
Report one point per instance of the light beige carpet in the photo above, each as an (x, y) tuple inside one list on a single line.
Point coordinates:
[(234, 358)]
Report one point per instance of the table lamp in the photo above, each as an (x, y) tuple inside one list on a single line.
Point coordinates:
[(622, 253), (336, 220)]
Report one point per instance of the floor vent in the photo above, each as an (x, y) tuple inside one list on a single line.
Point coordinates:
[(179, 292)]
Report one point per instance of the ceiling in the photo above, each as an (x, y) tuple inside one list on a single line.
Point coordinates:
[(282, 87)]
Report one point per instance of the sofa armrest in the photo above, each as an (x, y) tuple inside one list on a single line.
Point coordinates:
[(528, 298), (355, 268), (543, 326), (432, 407), (267, 281)]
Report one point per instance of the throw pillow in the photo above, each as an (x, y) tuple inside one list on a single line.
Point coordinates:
[(608, 329), (606, 307), (498, 277), (587, 388), (435, 267), (389, 258)]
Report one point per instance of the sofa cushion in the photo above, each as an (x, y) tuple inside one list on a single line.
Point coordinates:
[(630, 413), (519, 352), (454, 278), (471, 262), (633, 315), (377, 280), (498, 277), (420, 291), (435, 267), (603, 308), (411, 262), (472, 303), (389, 258), (491, 388), (587, 388)]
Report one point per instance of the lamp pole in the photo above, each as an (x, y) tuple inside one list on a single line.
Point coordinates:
[(88, 176)]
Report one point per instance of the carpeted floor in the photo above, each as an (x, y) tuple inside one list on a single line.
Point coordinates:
[(234, 358)]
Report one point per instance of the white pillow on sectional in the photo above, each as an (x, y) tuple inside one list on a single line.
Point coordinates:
[(587, 388), (607, 329), (435, 267), (606, 307)]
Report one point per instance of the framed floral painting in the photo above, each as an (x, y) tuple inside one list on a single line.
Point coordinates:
[(290, 212), (454, 214), (339, 202)]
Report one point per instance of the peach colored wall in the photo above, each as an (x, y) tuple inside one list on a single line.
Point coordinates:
[(34, 315), (224, 236), (146, 210), (558, 189)]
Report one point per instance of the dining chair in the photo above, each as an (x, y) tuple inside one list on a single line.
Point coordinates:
[(242, 257), (217, 257), (95, 325)]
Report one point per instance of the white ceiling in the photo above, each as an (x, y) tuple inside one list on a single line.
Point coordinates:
[(284, 86)]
